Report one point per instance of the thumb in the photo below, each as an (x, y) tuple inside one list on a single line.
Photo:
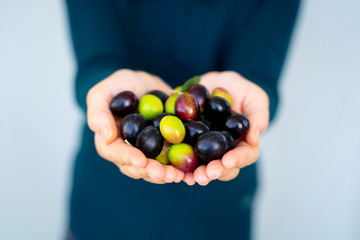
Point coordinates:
[(257, 111), (99, 116)]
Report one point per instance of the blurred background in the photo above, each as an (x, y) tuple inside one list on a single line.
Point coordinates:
[(310, 185)]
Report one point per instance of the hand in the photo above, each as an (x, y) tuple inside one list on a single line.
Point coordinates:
[(130, 160), (248, 99)]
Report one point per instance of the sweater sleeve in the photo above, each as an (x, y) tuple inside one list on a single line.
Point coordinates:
[(98, 42), (257, 51)]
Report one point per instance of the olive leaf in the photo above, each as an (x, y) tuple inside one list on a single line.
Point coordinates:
[(189, 83)]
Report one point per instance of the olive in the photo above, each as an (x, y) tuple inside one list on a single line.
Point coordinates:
[(150, 142), (131, 126), (160, 94), (170, 104), (150, 106), (124, 103), (163, 156), (201, 94), (182, 157), (210, 146), (172, 129), (186, 107), (237, 125), (193, 130), (217, 109), (156, 121), (221, 92)]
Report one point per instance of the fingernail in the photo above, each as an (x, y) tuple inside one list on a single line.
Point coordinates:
[(168, 180), (257, 136), (230, 163), (215, 176), (203, 181)]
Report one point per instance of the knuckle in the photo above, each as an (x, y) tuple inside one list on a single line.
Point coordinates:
[(91, 123), (213, 72), (142, 73), (121, 72), (232, 74)]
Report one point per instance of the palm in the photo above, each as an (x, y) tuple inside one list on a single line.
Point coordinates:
[(252, 101), (131, 161)]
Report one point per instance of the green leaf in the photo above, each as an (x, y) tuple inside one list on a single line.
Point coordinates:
[(189, 83)]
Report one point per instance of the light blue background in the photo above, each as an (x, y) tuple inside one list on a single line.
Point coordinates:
[(310, 162)]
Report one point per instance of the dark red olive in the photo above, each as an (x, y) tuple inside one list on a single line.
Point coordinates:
[(229, 140), (150, 142), (193, 130), (124, 103), (186, 107), (131, 126), (200, 93), (217, 109), (237, 125), (210, 146)]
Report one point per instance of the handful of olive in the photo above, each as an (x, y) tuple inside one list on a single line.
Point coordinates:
[(187, 129)]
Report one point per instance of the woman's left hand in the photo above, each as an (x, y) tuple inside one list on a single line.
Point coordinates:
[(248, 99)]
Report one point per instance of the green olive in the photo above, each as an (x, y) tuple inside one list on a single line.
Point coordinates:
[(182, 156), (172, 129), (163, 156), (170, 103), (150, 106)]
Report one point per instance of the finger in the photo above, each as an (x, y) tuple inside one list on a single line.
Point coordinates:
[(200, 175), (229, 174), (241, 156), (133, 172), (210, 80), (154, 82), (179, 175), (233, 82), (189, 178), (150, 180), (214, 169), (119, 152), (170, 174), (155, 170), (208, 76), (137, 173)]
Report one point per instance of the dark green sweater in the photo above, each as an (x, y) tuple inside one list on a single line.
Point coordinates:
[(174, 39)]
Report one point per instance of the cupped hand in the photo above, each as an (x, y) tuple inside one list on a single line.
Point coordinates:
[(130, 160), (248, 99)]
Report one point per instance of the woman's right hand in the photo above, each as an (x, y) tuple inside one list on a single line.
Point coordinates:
[(130, 160)]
